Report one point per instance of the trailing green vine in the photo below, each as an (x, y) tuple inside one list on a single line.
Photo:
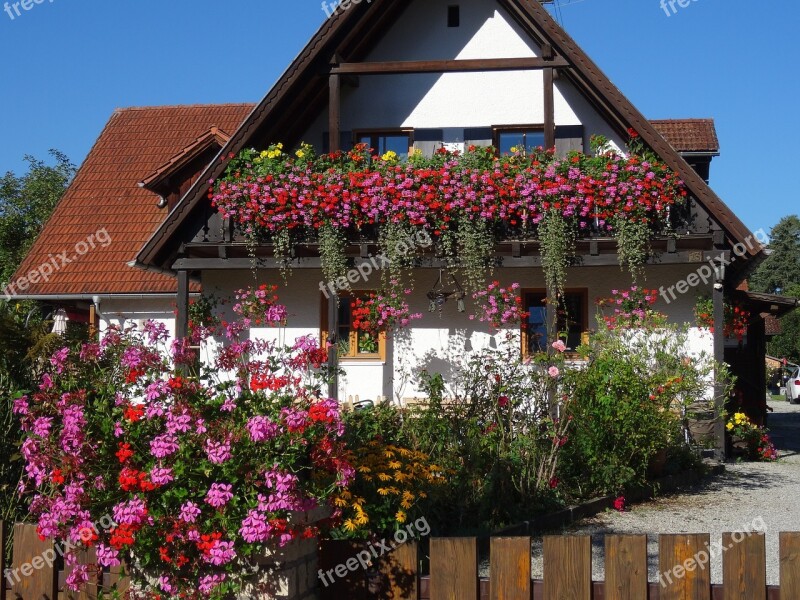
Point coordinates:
[(633, 244), (476, 249), (396, 244), (282, 251), (333, 252), (557, 247)]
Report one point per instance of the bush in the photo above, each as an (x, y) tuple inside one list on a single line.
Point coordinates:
[(630, 404)]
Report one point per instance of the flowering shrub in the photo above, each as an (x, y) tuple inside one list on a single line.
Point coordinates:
[(199, 473), (499, 306), (755, 438), (382, 312), (389, 484), (737, 319), (629, 309)]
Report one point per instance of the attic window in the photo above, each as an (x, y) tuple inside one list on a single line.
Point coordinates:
[(453, 16)]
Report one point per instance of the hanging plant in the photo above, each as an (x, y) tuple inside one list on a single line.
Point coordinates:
[(633, 244), (475, 252), (332, 253), (557, 246), (395, 243), (282, 251)]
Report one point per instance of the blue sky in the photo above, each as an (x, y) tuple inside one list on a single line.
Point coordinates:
[(67, 64)]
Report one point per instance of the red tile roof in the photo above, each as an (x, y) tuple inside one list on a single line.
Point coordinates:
[(106, 194), (689, 135)]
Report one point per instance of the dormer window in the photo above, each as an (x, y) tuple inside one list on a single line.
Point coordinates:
[(527, 137)]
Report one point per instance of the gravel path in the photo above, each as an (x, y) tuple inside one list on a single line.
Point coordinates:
[(734, 501)]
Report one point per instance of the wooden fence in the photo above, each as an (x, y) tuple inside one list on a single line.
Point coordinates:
[(568, 570), (37, 570), (454, 570)]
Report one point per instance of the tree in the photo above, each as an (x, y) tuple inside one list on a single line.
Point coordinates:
[(26, 203), (787, 344), (781, 268)]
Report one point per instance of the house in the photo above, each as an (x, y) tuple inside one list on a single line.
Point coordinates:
[(399, 76)]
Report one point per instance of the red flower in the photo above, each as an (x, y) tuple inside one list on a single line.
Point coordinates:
[(619, 504), (133, 375), (553, 483), (122, 536), (57, 477), (124, 452), (502, 401), (133, 413), (633, 133)]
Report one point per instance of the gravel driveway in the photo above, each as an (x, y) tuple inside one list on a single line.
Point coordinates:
[(733, 501)]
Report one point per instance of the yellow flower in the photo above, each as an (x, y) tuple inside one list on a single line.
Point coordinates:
[(362, 519), (264, 154), (389, 156), (384, 476), (279, 146), (300, 154), (729, 426), (340, 502), (394, 464), (350, 526), (400, 516), (383, 491), (513, 149)]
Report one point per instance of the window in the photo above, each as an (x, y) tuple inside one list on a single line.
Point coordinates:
[(529, 138), (352, 344), (453, 16), (573, 320), (387, 141)]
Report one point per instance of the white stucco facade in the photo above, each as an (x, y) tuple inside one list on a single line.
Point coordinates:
[(436, 342)]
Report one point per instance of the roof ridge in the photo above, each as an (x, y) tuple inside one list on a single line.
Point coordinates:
[(195, 105)]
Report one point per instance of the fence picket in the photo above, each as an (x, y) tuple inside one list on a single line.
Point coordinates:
[(399, 573), (567, 567), (744, 566), (33, 577), (626, 567), (675, 554), (454, 569), (510, 568), (3, 541), (790, 566)]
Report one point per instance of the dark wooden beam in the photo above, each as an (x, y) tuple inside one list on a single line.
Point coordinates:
[(549, 110), (333, 350), (447, 66), (182, 318), (431, 262), (718, 300), (335, 112)]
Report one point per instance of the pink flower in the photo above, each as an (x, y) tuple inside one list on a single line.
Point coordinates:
[(189, 512), (553, 372), (219, 494), (218, 452), (559, 346)]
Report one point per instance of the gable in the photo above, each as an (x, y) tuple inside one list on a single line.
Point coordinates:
[(295, 107)]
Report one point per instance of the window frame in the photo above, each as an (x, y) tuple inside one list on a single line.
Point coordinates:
[(376, 133), (583, 292), (497, 130), (353, 354)]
